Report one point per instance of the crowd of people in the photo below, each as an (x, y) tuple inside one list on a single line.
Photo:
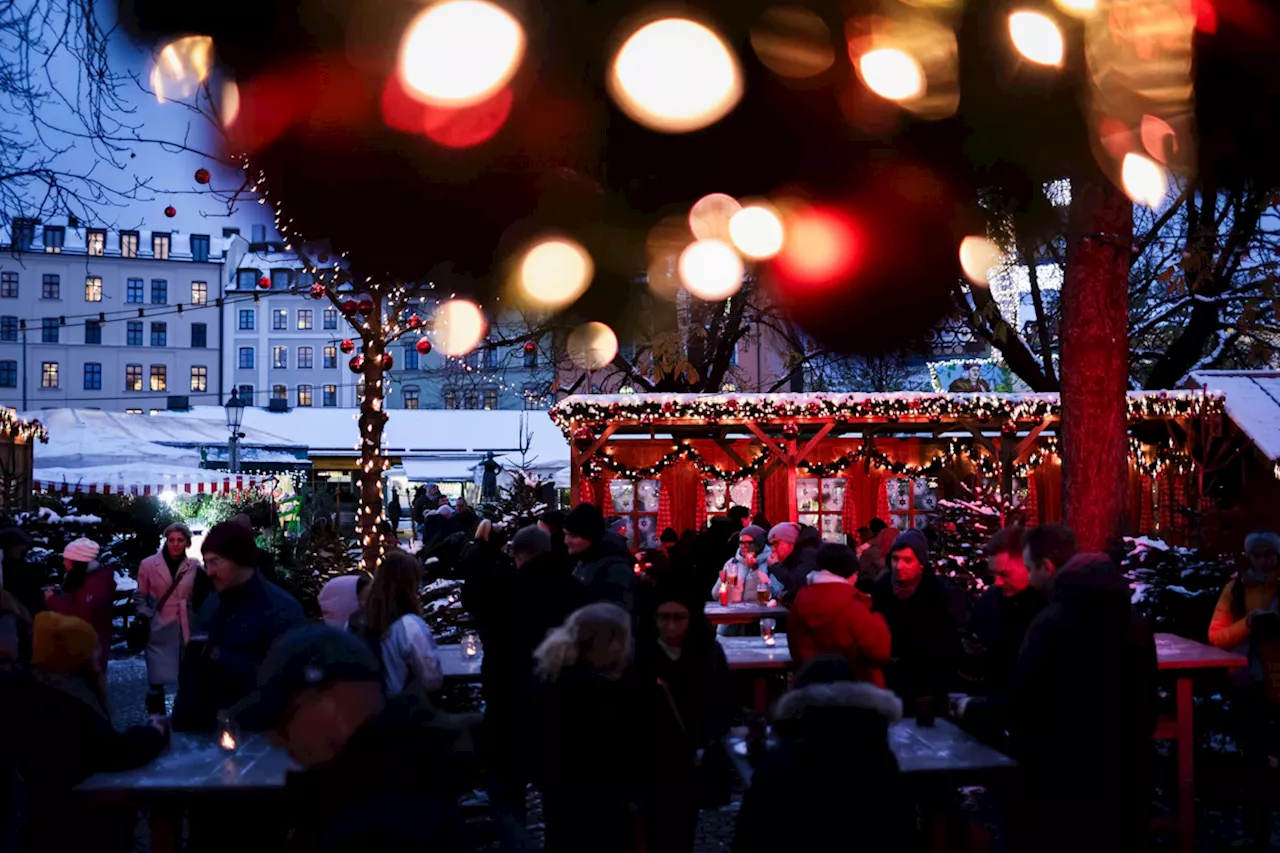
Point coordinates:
[(605, 688)]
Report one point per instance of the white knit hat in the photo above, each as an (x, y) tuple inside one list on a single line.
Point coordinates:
[(82, 550)]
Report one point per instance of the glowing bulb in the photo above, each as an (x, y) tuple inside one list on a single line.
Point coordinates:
[(1036, 37), (979, 257), (1077, 7), (459, 326), (592, 345), (710, 270), (709, 217), (892, 74), (555, 272), (460, 52), (181, 67), (1144, 180), (757, 232), (675, 75)]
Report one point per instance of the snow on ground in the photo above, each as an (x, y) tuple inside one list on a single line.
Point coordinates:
[(124, 583)]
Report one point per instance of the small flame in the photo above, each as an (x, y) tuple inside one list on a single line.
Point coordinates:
[(227, 742), (769, 640)]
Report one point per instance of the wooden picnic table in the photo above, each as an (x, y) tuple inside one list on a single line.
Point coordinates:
[(743, 613)]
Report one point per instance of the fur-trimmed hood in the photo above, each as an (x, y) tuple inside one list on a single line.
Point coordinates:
[(840, 694)]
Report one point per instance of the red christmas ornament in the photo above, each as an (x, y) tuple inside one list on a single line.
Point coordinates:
[(171, 211), (349, 306), (387, 361), (583, 436), (202, 176), (530, 347), (415, 322), (265, 282), (317, 291), (366, 307), (423, 346), (348, 346), (357, 363), (790, 430)]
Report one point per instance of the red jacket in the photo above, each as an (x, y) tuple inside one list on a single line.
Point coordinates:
[(94, 602), (836, 619)]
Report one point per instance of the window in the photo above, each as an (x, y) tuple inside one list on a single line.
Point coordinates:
[(54, 237), (491, 398), (329, 395), (279, 319), (913, 503), (304, 395), (199, 378), (92, 332), (24, 232), (246, 394), (133, 334), (410, 357), (92, 376), (330, 357), (305, 357), (820, 501), (128, 244), (489, 358), (531, 358), (95, 242), (246, 357), (93, 288), (246, 279), (359, 392), (8, 328), (721, 494), (159, 291), (160, 246), (9, 285), (9, 373), (49, 330), (470, 400), (200, 247), (199, 293), (279, 392), (133, 291), (280, 357), (133, 411), (451, 399), (411, 397), (159, 334), (50, 287), (49, 374), (532, 396), (281, 279), (331, 318), (247, 317), (199, 335), (306, 318), (637, 501), (230, 232), (159, 377)]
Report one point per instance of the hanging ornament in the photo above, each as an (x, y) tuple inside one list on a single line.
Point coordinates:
[(349, 305), (423, 346), (387, 361), (265, 282), (348, 346), (415, 322), (171, 211), (356, 364), (317, 291), (530, 347), (366, 306), (583, 436), (202, 176), (790, 430)]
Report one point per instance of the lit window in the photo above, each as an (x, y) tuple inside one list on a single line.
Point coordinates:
[(159, 291), (279, 392), (159, 334), (305, 357), (306, 318), (96, 242), (49, 330), (9, 285), (304, 395), (330, 357), (160, 247), (133, 333), (721, 494), (50, 287), (92, 376), (159, 377), (246, 357), (199, 293), (411, 398), (913, 503), (821, 505), (54, 237), (280, 357), (93, 288), (49, 374), (637, 501), (199, 378), (133, 377), (133, 411), (279, 319), (133, 291), (330, 395)]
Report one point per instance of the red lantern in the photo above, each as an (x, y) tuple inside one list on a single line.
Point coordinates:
[(348, 346), (387, 361), (317, 291), (171, 211), (202, 176), (530, 347), (366, 307), (265, 282), (415, 322), (349, 305), (356, 363), (423, 346)]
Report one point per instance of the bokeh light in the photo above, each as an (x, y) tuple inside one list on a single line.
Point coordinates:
[(1077, 7), (666, 240), (1144, 180), (675, 75), (792, 41), (461, 52), (555, 272), (709, 217), (458, 327), (466, 127), (892, 74), (230, 103), (757, 232), (979, 257), (1036, 37), (592, 345), (181, 67), (821, 248), (710, 270)]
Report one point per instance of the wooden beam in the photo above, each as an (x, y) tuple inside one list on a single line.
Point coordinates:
[(771, 444), (1028, 443), (793, 508), (982, 439), (813, 442), (599, 442), (727, 447)]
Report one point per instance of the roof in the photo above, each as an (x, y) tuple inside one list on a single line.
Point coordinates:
[(1252, 403)]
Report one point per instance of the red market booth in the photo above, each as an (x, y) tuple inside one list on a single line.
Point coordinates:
[(835, 461)]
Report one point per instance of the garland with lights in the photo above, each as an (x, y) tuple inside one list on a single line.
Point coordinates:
[(20, 431)]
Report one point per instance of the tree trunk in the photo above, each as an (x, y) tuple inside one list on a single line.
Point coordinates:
[(1095, 363), (373, 419)]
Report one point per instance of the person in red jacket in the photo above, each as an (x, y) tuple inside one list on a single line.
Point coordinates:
[(830, 616), (87, 592)]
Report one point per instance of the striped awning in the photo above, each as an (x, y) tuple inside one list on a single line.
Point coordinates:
[(195, 483)]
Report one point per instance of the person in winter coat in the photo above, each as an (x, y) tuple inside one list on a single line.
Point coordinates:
[(744, 573), (22, 580), (793, 550), (481, 552), (393, 626), (165, 580), (833, 774), (1002, 613), (340, 598), (552, 521), (924, 614), (831, 617), (604, 568), (1246, 621), (232, 632), (88, 591), (59, 733)]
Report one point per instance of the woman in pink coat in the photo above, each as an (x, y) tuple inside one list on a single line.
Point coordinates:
[(170, 569)]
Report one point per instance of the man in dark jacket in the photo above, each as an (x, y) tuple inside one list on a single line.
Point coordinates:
[(1002, 613), (793, 552), (232, 632), (604, 568), (552, 521), (925, 614), (22, 580)]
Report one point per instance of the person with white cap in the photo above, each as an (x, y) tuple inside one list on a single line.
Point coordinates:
[(88, 591)]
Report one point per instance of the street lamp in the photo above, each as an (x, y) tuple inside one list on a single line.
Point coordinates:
[(235, 415)]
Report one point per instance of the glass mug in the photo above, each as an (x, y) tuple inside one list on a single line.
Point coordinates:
[(470, 644), (766, 631), (762, 594)]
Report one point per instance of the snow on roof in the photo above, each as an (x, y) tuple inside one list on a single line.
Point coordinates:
[(1252, 403)]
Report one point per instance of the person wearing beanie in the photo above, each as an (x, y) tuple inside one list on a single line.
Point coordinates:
[(831, 617), (602, 565), (744, 573), (791, 559), (87, 591), (233, 630), (165, 581), (925, 615)]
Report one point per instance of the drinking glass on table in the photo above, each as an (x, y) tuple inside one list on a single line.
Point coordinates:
[(228, 732), (470, 644), (762, 594), (766, 631)]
